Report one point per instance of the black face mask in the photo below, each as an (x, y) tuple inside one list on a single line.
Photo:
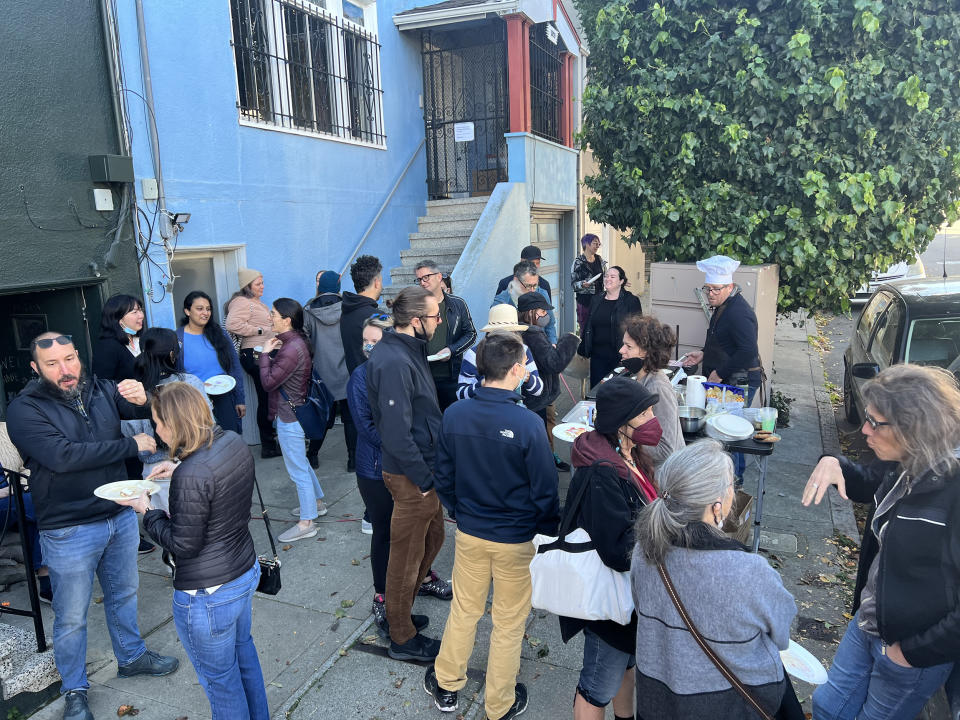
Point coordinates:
[(634, 365), (419, 334)]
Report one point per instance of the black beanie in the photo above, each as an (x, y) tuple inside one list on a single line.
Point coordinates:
[(618, 401)]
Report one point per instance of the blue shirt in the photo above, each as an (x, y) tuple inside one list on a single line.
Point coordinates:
[(199, 357)]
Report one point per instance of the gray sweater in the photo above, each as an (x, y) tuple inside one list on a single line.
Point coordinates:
[(668, 413), (739, 605)]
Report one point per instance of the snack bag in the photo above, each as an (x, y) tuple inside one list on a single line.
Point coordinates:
[(724, 398)]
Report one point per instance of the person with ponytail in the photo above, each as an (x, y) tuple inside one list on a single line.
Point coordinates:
[(733, 597), (612, 460), (208, 351), (286, 364)]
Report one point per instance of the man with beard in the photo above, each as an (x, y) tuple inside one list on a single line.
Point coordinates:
[(67, 429), (403, 403)]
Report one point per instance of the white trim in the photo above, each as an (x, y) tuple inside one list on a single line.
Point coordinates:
[(920, 519), (445, 16), (305, 133)]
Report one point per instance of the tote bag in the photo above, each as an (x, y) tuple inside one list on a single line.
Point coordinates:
[(570, 579)]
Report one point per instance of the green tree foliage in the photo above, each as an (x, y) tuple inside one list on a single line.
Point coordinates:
[(821, 135)]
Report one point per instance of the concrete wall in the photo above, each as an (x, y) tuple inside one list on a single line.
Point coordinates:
[(55, 110), (548, 170), (501, 233), (299, 203)]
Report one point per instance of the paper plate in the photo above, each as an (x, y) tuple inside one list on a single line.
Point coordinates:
[(570, 431), (802, 665), (219, 384), (125, 489), (733, 426)]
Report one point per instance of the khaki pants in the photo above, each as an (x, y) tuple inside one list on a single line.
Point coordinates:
[(476, 562), (551, 422), (416, 536)]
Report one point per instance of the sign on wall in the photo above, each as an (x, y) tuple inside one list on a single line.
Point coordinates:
[(463, 132)]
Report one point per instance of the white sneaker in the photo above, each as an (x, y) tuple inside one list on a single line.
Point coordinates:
[(297, 533), (321, 509), (365, 527)]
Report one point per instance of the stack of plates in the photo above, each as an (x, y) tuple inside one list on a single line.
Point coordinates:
[(728, 428)]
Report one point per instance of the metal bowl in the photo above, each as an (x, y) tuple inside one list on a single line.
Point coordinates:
[(691, 418)]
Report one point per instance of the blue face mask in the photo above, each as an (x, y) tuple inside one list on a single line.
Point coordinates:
[(368, 348), (127, 330)]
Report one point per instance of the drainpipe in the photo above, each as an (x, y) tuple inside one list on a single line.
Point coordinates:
[(166, 230)]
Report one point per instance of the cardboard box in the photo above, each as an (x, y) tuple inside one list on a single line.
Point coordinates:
[(739, 523)]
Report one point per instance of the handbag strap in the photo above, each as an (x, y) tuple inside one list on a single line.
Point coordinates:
[(266, 519), (708, 651)]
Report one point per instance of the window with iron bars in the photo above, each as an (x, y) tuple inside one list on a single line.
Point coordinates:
[(546, 102), (302, 67)]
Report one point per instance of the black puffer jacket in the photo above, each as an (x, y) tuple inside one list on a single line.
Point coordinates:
[(210, 497), (551, 361)]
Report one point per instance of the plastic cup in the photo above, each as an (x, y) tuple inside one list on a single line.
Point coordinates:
[(768, 419)]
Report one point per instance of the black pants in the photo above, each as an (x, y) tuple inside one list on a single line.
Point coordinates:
[(446, 391), (602, 363), (225, 411), (349, 430), (252, 368), (379, 504)]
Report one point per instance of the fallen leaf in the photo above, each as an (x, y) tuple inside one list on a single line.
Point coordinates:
[(354, 562), (98, 600), (346, 603), (275, 684), (339, 613), (848, 616), (369, 639), (127, 711), (342, 652), (286, 547), (398, 682), (534, 642), (543, 652)]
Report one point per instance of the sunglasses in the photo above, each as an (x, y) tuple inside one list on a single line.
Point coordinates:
[(873, 422), (46, 343), (380, 316)]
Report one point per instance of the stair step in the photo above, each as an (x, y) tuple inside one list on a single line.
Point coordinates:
[(457, 206), (442, 234), (450, 224), (439, 245)]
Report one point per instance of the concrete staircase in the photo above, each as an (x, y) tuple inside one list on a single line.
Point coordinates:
[(22, 668), (441, 236)]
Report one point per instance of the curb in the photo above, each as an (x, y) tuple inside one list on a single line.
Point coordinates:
[(841, 511)]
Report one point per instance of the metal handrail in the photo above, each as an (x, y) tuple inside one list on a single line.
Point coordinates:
[(383, 207), (14, 479)]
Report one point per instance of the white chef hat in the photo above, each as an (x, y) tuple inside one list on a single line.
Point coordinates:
[(719, 269)]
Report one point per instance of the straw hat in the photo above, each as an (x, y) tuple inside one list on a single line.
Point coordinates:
[(503, 317)]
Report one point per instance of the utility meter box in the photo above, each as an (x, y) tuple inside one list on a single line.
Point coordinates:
[(111, 168)]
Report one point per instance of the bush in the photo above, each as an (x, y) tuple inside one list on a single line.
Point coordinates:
[(821, 135)]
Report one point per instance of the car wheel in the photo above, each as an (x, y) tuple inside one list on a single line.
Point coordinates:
[(849, 407)]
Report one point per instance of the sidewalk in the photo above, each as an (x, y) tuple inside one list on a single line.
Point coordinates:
[(321, 659)]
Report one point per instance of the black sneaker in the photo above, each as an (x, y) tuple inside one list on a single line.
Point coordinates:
[(145, 546), (150, 663), (419, 648), (314, 461), (436, 586), (270, 450), (44, 589), (445, 700), (561, 465), (380, 618), (519, 705), (75, 706)]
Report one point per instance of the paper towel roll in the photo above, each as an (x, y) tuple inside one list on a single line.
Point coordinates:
[(696, 395)]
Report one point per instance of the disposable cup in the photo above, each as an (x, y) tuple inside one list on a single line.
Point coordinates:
[(768, 419)]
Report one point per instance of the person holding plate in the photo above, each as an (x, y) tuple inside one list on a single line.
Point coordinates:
[(211, 489), (209, 352), (904, 639), (681, 530), (66, 426)]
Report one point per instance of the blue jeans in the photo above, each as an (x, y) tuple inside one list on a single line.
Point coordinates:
[(603, 669), (73, 554), (215, 632), (739, 461), (293, 446), (863, 683)]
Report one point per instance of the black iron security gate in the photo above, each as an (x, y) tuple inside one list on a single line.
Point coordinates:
[(464, 93)]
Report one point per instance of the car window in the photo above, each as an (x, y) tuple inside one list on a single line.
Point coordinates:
[(868, 318), (934, 341), (884, 347)]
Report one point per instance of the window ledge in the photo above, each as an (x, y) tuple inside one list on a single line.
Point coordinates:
[(243, 122)]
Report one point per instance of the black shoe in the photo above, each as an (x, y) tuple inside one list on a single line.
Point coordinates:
[(44, 589), (269, 449), (75, 706), (150, 663), (445, 700), (519, 705), (561, 465), (380, 618), (146, 546), (314, 461), (419, 648), (436, 586)]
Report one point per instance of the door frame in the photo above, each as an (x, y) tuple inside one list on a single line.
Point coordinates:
[(227, 260)]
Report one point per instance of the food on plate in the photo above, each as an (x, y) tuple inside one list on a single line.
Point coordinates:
[(724, 394), (576, 431)]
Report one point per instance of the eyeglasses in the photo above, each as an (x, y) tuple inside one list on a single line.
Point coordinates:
[(430, 317), (713, 290), (45, 343), (873, 422), (530, 286), (424, 278)]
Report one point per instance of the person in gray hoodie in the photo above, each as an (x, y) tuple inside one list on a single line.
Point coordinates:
[(321, 322)]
